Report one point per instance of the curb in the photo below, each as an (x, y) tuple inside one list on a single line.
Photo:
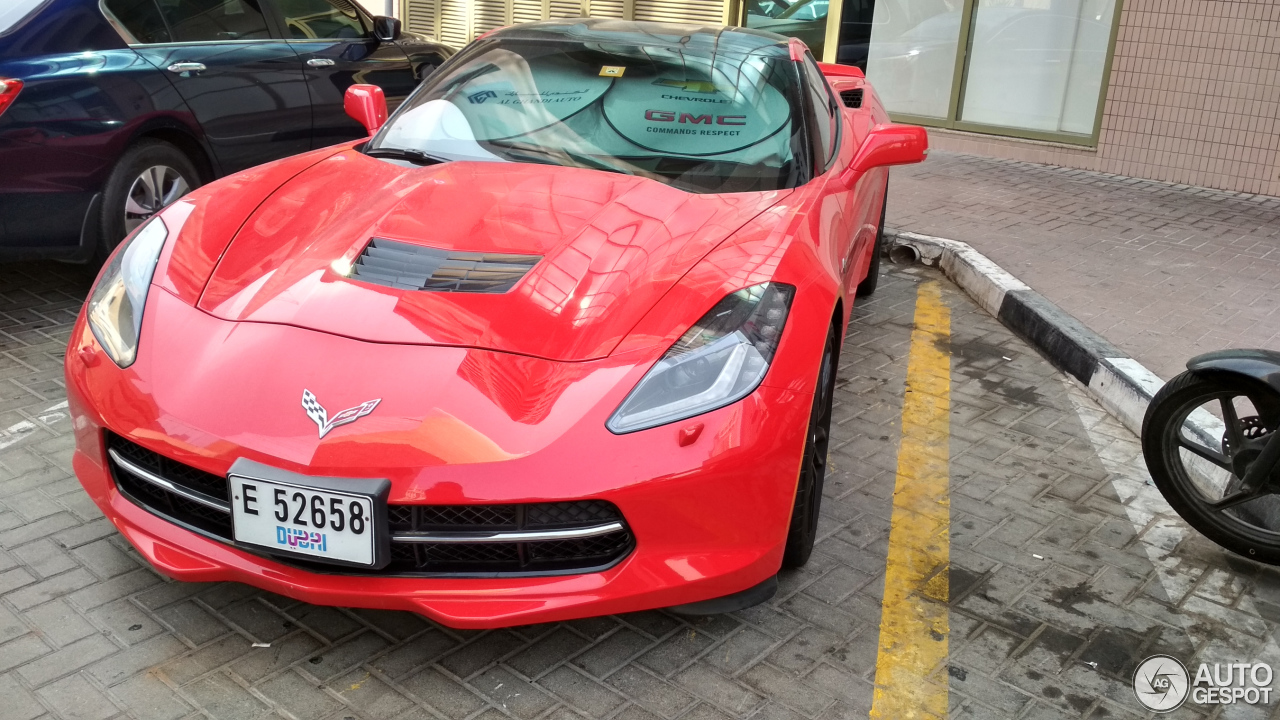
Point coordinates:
[(1122, 385)]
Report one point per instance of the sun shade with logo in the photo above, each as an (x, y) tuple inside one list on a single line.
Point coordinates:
[(706, 113)]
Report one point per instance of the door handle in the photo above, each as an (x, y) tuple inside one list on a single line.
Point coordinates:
[(187, 67), (319, 62)]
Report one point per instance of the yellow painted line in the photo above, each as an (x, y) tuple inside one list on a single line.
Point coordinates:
[(913, 618)]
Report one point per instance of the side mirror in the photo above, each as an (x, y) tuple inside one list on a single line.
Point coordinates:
[(890, 144), (367, 105), (386, 29)]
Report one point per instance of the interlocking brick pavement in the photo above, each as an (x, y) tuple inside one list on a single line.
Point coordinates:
[(1163, 271), (88, 631)]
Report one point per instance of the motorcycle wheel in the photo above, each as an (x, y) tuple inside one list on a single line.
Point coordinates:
[(1200, 436)]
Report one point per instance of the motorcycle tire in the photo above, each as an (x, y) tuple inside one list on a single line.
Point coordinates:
[(1252, 527)]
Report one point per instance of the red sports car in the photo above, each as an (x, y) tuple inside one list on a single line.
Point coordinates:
[(559, 339)]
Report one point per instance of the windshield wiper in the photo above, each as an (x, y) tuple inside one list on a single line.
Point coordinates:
[(549, 157), (414, 156)]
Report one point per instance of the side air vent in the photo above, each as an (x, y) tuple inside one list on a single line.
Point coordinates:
[(413, 267), (851, 98)]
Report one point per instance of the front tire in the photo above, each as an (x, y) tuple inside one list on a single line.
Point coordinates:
[(149, 176), (872, 280), (1199, 467), (803, 531)]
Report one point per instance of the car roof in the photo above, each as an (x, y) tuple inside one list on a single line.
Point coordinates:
[(686, 37)]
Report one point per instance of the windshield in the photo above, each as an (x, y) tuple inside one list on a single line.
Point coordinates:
[(13, 12), (696, 115)]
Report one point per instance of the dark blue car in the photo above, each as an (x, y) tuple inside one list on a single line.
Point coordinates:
[(111, 109)]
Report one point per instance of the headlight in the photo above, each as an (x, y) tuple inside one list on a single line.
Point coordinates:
[(720, 360), (115, 309)]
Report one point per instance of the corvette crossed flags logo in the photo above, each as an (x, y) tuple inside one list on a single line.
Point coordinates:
[(320, 416)]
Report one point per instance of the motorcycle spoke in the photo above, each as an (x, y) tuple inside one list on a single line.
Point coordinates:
[(1235, 438), (1231, 501), (1212, 456)]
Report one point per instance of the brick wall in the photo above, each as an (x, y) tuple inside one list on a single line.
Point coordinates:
[(1194, 98)]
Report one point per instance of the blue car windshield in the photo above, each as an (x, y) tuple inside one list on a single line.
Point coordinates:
[(705, 113)]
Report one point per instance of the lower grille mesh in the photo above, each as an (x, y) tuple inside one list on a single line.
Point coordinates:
[(407, 558)]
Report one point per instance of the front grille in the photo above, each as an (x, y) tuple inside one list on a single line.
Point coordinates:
[(559, 555), (516, 557), (851, 98), (414, 267)]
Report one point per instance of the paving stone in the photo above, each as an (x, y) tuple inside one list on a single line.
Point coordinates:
[(298, 696), (125, 621), (142, 656), (362, 690), (424, 648), (450, 698), (44, 557), (75, 699), (581, 691), (655, 694), (18, 703), (104, 559), (512, 693), (55, 620), (150, 699), (67, 659), (260, 662), (223, 698)]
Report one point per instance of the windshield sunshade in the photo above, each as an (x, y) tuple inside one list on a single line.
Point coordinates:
[(702, 117)]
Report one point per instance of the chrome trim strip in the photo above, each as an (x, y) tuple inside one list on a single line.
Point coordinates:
[(507, 537), (118, 26), (160, 482), (187, 43)]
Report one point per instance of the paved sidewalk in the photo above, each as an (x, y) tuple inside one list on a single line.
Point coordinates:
[(1066, 568), (1162, 271)]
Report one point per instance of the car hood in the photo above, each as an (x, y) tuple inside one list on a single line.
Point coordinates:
[(609, 246)]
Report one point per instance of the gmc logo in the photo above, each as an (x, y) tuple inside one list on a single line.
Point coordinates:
[(664, 116)]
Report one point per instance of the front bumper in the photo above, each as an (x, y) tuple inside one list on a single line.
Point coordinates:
[(708, 518)]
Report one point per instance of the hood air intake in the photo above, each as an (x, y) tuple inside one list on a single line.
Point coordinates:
[(414, 267)]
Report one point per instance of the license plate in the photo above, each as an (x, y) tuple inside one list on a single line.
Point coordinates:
[(302, 520)]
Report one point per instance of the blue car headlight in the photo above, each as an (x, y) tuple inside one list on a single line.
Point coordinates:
[(115, 308), (720, 360)]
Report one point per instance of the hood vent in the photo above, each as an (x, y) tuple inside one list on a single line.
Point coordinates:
[(412, 267), (851, 98)]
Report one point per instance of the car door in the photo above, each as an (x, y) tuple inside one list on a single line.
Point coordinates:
[(335, 40), (834, 214), (244, 86)]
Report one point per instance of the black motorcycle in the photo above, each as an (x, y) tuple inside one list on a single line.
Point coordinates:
[(1211, 439)]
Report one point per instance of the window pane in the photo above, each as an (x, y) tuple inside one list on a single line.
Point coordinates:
[(141, 18), (321, 19), (912, 57), (14, 11), (855, 32), (1037, 64), (804, 19), (214, 20), (823, 109)]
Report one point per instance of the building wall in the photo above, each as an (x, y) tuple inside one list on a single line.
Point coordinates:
[(1194, 98), (457, 22), (379, 7)]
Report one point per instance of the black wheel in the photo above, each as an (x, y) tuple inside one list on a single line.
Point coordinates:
[(813, 467), (1201, 435), (872, 280), (150, 175)]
